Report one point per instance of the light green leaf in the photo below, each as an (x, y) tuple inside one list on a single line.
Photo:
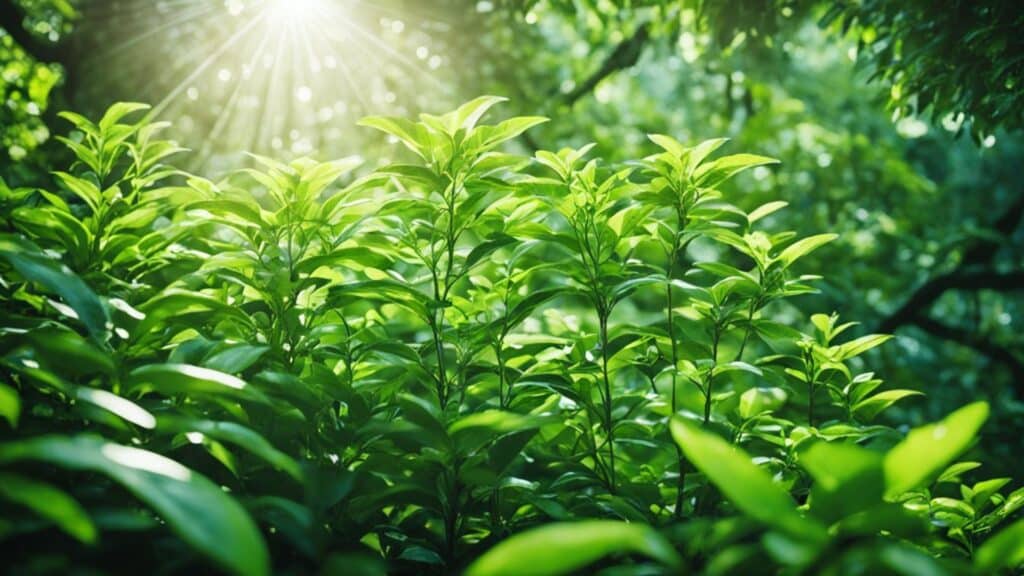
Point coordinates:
[(1004, 550), (467, 115), (765, 210), (315, 180), (669, 144), (49, 502), (802, 247), (174, 303), (195, 508), (122, 407), (701, 151), (565, 547), (745, 485), (848, 479), (118, 111), (36, 266), (69, 351), (80, 122), (236, 358), (496, 421), (406, 132), (241, 436), (10, 404), (952, 474), (721, 169), (487, 137), (926, 451), (861, 345), (757, 400), (173, 379), (84, 189), (869, 408)]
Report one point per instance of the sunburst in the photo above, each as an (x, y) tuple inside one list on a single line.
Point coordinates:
[(287, 77)]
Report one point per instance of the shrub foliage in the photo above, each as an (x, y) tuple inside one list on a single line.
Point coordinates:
[(465, 361)]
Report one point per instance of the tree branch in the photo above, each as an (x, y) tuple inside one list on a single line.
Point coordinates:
[(12, 20), (979, 254), (624, 56), (979, 342)]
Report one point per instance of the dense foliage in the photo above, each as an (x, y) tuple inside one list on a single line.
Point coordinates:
[(467, 360)]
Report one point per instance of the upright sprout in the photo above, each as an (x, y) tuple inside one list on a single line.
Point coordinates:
[(443, 227), (458, 175), (599, 218), (680, 184)]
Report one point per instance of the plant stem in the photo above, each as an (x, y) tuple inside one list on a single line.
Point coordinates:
[(609, 425), (810, 404), (670, 270), (746, 334), (710, 378), (442, 378), (451, 516), (502, 400)]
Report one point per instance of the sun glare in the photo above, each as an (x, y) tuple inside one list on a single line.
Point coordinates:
[(298, 12), (271, 76)]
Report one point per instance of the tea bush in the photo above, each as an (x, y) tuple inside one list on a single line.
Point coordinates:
[(468, 361)]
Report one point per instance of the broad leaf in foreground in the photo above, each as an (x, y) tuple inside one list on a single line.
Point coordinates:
[(195, 508), (563, 548)]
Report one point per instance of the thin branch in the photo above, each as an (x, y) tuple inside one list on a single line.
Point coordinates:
[(979, 342), (980, 254), (625, 55), (12, 20)]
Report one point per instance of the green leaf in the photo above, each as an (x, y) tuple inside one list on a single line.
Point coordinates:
[(926, 451), (472, 432), (668, 144), (1004, 550), (173, 379), (69, 351), (195, 508), (748, 487), (80, 122), (118, 111), (122, 407), (84, 189), (247, 211), (173, 303), (984, 490), (953, 472), (406, 132), (860, 345), (487, 137), (869, 408), (706, 148), (83, 152), (765, 210), (318, 178), (802, 247), (236, 358), (497, 421), (467, 115), (757, 400), (486, 248), (565, 547), (721, 169), (49, 502), (35, 266), (10, 404), (848, 479), (239, 435)]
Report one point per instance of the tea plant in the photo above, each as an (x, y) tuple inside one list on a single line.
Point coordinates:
[(475, 362)]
